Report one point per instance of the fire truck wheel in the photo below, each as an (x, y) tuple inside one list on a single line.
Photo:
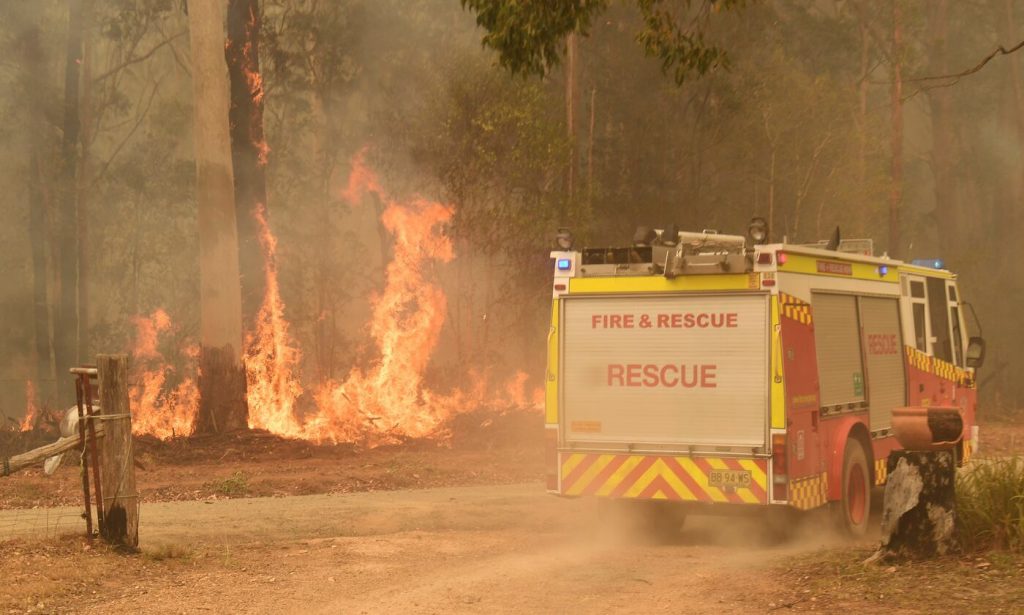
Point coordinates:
[(662, 521), (854, 508)]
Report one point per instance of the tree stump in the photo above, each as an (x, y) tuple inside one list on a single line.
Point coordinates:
[(918, 510), (117, 457)]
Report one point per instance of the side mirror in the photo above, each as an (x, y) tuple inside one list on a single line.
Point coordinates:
[(975, 352)]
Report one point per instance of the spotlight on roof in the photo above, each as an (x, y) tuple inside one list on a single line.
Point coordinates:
[(757, 230), (564, 239)]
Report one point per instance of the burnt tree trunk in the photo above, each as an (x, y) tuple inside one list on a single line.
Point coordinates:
[(66, 318), (248, 148), (222, 385), (918, 510)]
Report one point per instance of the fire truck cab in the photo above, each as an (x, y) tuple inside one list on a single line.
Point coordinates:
[(712, 371)]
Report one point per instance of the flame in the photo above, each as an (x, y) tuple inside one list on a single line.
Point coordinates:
[(31, 407), (155, 410), (272, 357), (388, 400)]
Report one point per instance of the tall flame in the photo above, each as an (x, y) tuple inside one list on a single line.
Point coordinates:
[(385, 401)]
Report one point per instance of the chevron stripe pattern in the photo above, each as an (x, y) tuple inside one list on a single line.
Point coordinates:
[(795, 309), (656, 477), (810, 492), (938, 367)]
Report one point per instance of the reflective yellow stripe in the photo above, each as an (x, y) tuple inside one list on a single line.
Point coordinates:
[(804, 263), (778, 390), (635, 489), (620, 475), (570, 462), (594, 469), (551, 373), (658, 283)]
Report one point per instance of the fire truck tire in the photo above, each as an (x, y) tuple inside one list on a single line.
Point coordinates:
[(853, 509), (662, 521)]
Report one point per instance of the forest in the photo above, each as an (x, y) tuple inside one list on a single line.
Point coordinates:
[(396, 188)]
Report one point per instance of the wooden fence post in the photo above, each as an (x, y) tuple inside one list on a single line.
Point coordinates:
[(117, 463)]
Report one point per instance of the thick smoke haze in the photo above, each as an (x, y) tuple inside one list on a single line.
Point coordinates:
[(798, 129)]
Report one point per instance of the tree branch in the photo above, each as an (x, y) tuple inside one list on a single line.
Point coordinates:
[(141, 58), (1000, 50)]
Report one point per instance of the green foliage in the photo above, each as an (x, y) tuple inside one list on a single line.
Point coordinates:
[(529, 35), (682, 51), (990, 505)]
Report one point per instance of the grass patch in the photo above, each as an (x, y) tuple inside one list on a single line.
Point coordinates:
[(234, 486), (836, 580), (990, 505)]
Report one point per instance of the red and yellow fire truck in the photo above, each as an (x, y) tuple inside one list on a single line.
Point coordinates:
[(711, 370)]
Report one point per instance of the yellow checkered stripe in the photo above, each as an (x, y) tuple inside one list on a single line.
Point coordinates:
[(795, 309), (810, 492), (881, 472), (664, 477), (938, 367)]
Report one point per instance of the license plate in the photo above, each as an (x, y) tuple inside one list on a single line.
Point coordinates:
[(729, 478)]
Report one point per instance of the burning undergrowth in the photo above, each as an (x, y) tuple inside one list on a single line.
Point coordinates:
[(385, 401)]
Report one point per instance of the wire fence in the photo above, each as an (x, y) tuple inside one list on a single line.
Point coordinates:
[(40, 523)]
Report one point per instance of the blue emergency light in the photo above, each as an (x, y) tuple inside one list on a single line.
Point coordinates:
[(883, 270), (930, 263), (564, 264)]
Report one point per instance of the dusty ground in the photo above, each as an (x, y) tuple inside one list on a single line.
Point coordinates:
[(482, 538), (484, 450), (470, 550)]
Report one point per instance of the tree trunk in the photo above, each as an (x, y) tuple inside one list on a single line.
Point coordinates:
[(896, 135), (222, 399), (944, 155), (84, 176), (66, 320), (33, 63), (570, 118), (248, 148), (590, 150)]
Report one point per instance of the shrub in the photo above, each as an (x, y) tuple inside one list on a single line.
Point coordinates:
[(990, 505)]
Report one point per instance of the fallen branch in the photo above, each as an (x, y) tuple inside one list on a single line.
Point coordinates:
[(22, 461)]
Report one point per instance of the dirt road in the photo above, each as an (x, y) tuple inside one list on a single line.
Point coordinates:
[(466, 549)]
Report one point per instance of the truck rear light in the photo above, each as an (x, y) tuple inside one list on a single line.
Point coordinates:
[(764, 258), (780, 481), (781, 258), (551, 458), (559, 286)]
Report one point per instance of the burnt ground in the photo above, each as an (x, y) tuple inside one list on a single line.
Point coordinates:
[(483, 449), (428, 528)]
